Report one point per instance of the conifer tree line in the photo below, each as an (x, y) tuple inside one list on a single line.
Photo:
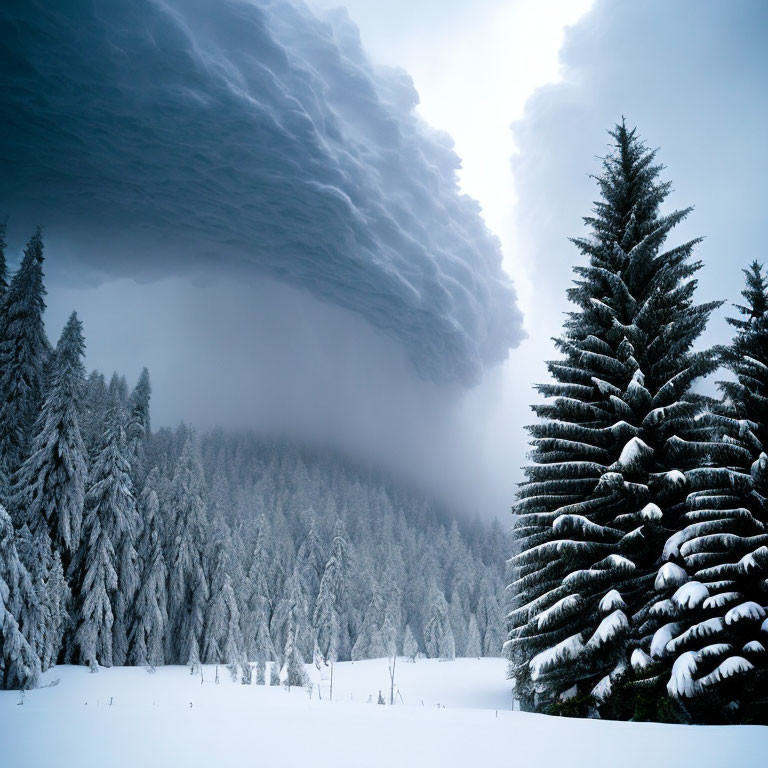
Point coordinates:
[(120, 545), (640, 561)]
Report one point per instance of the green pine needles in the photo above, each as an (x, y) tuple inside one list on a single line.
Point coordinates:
[(640, 523)]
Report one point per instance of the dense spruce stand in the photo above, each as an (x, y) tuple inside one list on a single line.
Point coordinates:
[(123, 546), (640, 565)]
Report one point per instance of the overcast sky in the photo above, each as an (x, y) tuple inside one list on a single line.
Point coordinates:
[(265, 205)]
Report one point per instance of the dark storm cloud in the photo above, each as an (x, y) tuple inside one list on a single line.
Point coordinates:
[(164, 138)]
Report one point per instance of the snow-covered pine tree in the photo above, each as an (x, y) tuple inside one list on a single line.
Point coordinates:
[(258, 603), (4, 481), (3, 263), (292, 610), (58, 603), (125, 537), (708, 647), (274, 673), (137, 428), (222, 638), (257, 578), (747, 358), (96, 596), (410, 646), (118, 392), (48, 495), (19, 664), (310, 557), (295, 673), (438, 635), (459, 574), (40, 613), (160, 483), (327, 616), (260, 666), (49, 488), (606, 485), (188, 587), (389, 631), (370, 643), (458, 610), (262, 642), (94, 411), (474, 646), (150, 611), (105, 570), (24, 352), (490, 617)]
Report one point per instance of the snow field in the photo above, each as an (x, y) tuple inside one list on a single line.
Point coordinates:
[(451, 714)]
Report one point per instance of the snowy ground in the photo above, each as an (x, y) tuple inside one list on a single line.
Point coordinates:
[(448, 714)]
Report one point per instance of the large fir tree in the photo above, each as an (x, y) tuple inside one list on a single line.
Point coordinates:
[(48, 495), (608, 482), (138, 428), (3, 263), (50, 486), (329, 607), (708, 648), (95, 612), (150, 611), (105, 570), (188, 586), (438, 635), (94, 411), (24, 351), (222, 635), (19, 663), (257, 600)]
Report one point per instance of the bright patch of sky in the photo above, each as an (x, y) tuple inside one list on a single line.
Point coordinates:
[(474, 65)]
